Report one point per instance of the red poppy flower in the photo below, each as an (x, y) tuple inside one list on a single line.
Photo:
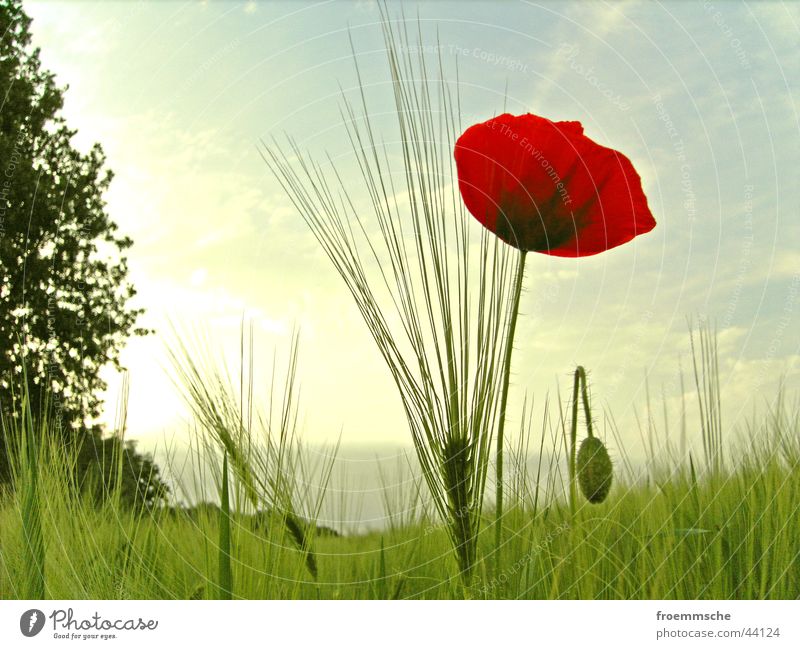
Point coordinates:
[(545, 186)]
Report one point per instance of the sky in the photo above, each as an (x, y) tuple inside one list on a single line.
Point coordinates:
[(702, 97)]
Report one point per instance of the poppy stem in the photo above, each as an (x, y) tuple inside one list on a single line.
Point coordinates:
[(512, 326), (580, 383)]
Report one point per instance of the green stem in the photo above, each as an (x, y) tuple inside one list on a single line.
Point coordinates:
[(580, 383), (585, 393), (225, 573), (573, 439), (504, 399)]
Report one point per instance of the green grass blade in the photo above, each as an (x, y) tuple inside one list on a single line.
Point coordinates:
[(225, 572)]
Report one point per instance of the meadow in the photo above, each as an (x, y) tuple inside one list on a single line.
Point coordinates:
[(691, 527), (714, 516)]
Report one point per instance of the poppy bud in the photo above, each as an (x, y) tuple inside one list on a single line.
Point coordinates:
[(594, 470)]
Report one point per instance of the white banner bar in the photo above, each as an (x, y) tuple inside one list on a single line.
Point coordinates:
[(401, 625)]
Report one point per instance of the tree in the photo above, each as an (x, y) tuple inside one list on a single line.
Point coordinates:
[(64, 288), (106, 464)]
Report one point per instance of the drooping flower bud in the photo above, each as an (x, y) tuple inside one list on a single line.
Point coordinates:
[(595, 471)]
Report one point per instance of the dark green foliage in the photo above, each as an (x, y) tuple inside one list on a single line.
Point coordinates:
[(63, 277), (64, 286), (99, 469)]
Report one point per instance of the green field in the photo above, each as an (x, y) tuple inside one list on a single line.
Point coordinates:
[(681, 532)]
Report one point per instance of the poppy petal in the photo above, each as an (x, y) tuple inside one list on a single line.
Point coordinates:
[(544, 186)]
